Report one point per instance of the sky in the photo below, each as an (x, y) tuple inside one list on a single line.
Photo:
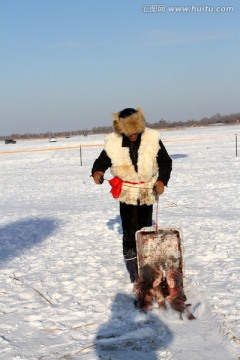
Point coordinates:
[(69, 64)]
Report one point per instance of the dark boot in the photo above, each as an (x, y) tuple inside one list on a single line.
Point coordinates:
[(130, 258)]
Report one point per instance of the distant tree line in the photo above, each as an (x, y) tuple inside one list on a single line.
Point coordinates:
[(161, 124), (215, 119)]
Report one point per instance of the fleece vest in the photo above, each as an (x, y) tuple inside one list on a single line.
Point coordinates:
[(123, 167)]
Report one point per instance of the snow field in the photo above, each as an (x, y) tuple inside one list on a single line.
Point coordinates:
[(64, 289)]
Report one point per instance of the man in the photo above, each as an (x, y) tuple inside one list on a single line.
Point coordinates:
[(142, 167)]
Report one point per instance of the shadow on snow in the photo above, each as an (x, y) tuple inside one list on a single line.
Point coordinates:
[(178, 156), (130, 334), (112, 222), (24, 234)]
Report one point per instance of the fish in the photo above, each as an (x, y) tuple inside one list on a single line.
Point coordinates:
[(176, 296)]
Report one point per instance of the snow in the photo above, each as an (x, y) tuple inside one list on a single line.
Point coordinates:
[(64, 289)]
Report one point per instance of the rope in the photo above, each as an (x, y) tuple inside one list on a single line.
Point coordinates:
[(156, 222)]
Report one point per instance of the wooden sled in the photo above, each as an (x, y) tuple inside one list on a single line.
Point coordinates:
[(161, 248)]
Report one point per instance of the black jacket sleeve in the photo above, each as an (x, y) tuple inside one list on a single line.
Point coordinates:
[(102, 163), (164, 164)]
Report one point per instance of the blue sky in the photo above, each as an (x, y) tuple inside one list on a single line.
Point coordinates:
[(68, 64)]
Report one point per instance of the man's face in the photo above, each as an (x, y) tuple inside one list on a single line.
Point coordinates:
[(133, 137)]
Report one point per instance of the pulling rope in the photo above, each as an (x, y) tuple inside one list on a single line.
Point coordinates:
[(156, 221)]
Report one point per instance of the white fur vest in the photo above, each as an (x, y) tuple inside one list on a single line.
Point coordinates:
[(123, 168)]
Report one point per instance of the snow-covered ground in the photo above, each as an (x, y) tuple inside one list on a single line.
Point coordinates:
[(64, 289)]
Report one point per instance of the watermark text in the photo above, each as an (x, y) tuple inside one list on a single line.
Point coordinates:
[(162, 8)]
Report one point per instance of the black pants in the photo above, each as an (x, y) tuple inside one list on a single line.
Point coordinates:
[(134, 217)]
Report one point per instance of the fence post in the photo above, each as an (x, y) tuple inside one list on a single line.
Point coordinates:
[(80, 155), (236, 137)]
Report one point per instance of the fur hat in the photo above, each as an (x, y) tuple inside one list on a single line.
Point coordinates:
[(129, 121)]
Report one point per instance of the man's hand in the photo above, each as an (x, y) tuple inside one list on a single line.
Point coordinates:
[(98, 177), (158, 187)]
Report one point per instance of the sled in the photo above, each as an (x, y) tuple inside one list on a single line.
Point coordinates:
[(161, 248)]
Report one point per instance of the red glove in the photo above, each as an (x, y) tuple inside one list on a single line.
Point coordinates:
[(98, 177), (158, 187)]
